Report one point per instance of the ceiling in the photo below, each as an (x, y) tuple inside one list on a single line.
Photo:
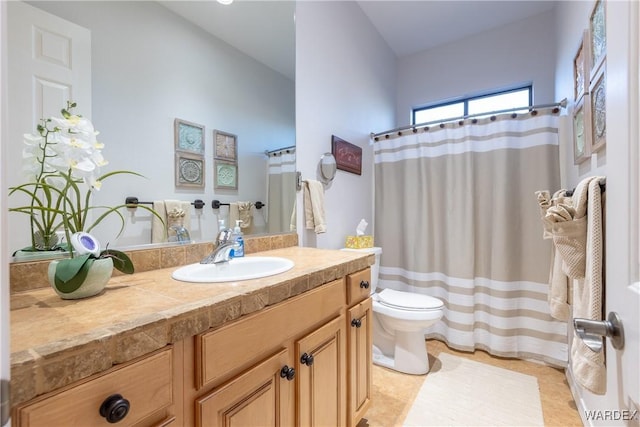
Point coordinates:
[(409, 27), (265, 29)]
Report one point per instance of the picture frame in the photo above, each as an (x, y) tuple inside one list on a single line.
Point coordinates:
[(225, 146), (225, 175), (598, 95), (190, 170), (581, 120), (188, 136), (581, 67), (597, 37), (348, 156)]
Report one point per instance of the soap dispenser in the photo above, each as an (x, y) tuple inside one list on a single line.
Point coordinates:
[(238, 250)]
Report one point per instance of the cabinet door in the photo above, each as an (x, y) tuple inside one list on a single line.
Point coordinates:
[(360, 353), (321, 367), (261, 397)]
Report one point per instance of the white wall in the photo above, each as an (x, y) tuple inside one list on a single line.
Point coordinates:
[(345, 76), (519, 53), (571, 19), (151, 66)]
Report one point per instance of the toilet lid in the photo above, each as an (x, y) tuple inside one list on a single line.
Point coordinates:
[(408, 300)]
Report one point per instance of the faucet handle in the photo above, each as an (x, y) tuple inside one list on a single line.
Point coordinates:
[(224, 236)]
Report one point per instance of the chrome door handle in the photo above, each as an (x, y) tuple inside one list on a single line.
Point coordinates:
[(592, 331)]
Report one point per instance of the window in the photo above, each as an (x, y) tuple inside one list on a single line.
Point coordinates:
[(512, 100)]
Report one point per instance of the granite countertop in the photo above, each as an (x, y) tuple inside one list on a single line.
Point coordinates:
[(55, 342)]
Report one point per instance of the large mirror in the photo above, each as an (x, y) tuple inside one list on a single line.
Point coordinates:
[(156, 65)]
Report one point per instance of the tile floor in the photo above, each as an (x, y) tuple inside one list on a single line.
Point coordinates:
[(397, 390)]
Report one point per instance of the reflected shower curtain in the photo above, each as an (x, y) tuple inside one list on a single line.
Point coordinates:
[(457, 219), (281, 192)]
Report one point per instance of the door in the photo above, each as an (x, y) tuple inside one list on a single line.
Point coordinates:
[(321, 371), (622, 247), (48, 64), (260, 397)]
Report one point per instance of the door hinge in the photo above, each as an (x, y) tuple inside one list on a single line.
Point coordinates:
[(5, 402)]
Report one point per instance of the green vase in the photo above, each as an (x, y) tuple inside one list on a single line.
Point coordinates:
[(94, 283)]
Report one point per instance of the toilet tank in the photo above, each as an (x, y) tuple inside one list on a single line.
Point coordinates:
[(375, 268)]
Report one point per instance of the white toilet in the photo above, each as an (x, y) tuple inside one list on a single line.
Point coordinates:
[(399, 321)]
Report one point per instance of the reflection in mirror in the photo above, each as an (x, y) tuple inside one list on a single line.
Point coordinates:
[(328, 167), (150, 64), (282, 190)]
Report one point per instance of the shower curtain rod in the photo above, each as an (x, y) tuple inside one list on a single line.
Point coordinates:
[(280, 150), (562, 104)]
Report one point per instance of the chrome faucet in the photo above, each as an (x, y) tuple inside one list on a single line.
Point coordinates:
[(222, 250)]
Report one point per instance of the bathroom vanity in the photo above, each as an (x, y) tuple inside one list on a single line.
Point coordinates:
[(289, 349)]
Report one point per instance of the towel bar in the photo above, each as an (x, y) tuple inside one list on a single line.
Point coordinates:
[(133, 202), (215, 204)]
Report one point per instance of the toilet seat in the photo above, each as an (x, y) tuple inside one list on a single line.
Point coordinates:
[(408, 301)]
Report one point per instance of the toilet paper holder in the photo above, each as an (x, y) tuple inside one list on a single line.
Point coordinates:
[(592, 331)]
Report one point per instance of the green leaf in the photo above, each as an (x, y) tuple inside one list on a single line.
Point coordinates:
[(120, 260), (72, 272)]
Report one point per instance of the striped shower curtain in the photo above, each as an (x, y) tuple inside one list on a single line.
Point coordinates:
[(281, 191), (457, 219)]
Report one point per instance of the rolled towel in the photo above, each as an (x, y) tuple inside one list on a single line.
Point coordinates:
[(245, 214)]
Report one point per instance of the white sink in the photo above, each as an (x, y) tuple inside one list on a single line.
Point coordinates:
[(234, 270)]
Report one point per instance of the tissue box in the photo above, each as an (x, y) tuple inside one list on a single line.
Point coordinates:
[(359, 242)]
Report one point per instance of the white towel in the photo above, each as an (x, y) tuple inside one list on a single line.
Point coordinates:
[(588, 366), (314, 206), (234, 214), (558, 296), (162, 207), (245, 213)]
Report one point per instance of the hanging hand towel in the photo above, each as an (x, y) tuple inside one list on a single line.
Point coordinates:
[(314, 206), (234, 215), (558, 295), (569, 229), (162, 207), (587, 365), (158, 229), (246, 216)]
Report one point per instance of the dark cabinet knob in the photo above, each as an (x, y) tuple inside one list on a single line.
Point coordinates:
[(114, 408), (306, 359), (364, 284), (288, 373), (356, 322)]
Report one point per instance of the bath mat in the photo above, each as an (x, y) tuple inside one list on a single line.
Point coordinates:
[(461, 392)]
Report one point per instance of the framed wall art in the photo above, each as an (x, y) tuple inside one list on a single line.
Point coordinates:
[(188, 136), (348, 156), (225, 146), (582, 130), (225, 175), (598, 37), (189, 170), (598, 94), (581, 67)]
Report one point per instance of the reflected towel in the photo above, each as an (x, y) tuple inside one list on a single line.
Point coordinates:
[(246, 216), (314, 206), (162, 207), (234, 215)]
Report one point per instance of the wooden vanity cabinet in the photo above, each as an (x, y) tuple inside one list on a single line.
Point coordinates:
[(305, 361), (252, 371)]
